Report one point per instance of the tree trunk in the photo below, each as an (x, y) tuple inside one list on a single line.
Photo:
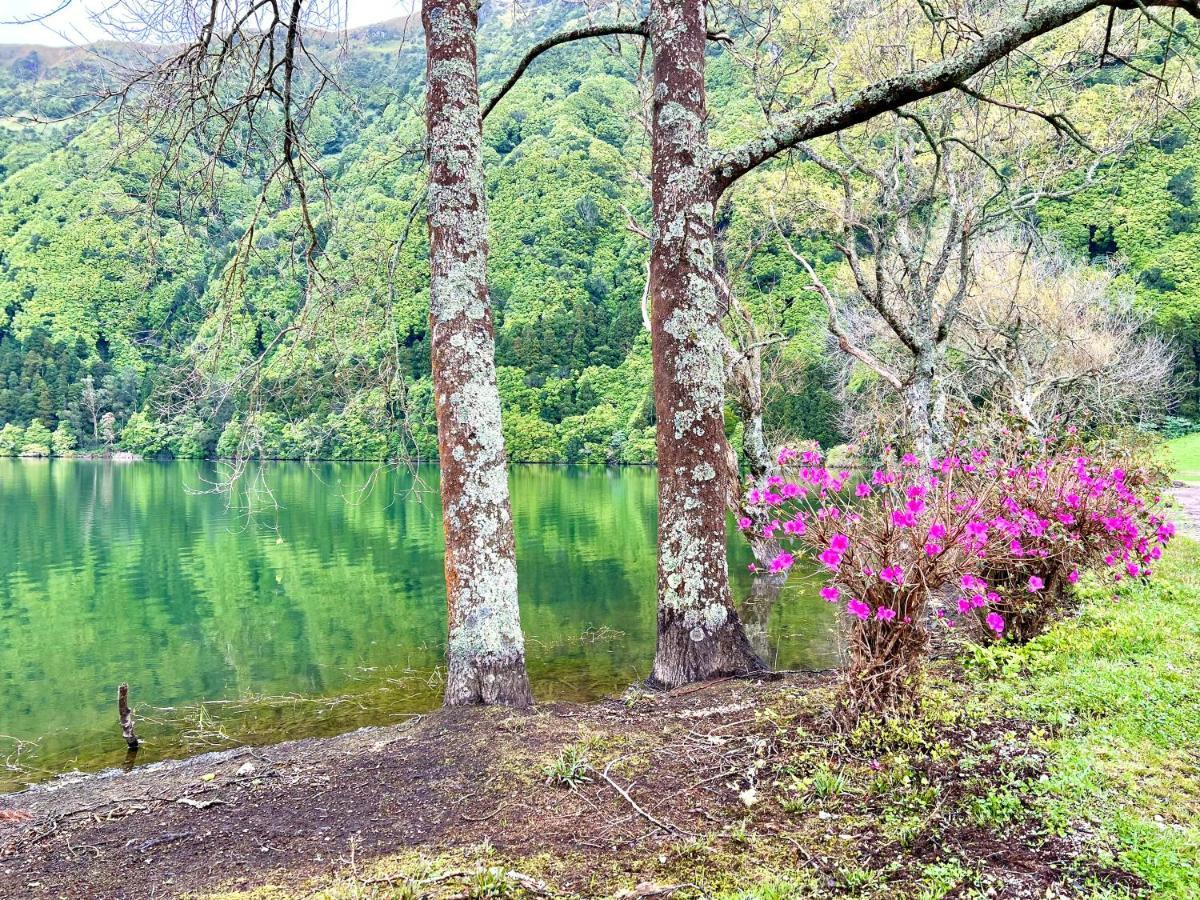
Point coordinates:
[(756, 614), (760, 467), (699, 633), (919, 408), (486, 655)]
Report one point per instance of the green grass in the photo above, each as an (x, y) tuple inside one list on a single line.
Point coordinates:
[(1120, 688), (1185, 457)]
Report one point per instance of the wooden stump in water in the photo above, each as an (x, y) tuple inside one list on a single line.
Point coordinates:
[(127, 729)]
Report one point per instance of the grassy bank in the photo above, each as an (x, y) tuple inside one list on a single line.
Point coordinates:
[(1069, 767), (1185, 457)]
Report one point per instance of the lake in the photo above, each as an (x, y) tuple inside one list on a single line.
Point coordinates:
[(308, 601)]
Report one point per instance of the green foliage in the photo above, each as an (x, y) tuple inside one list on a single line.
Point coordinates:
[(37, 439), (62, 442), (143, 436), (12, 439), (101, 304), (1122, 705), (97, 285)]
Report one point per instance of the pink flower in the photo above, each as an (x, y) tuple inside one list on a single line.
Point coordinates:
[(840, 543), (744, 523), (933, 549), (782, 562), (830, 558), (1074, 576), (973, 583), (995, 621), (1035, 584), (977, 530), (830, 594), (863, 489), (937, 531), (964, 605), (857, 608), (885, 613), (892, 574)]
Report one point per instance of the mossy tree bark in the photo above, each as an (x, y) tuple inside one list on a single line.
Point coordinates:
[(699, 633), (486, 655)]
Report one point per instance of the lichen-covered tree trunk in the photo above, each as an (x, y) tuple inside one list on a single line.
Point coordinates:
[(699, 633), (486, 656), (925, 405)]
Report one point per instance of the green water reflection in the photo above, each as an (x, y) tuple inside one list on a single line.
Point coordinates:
[(112, 572)]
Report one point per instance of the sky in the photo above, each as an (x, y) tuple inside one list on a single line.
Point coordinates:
[(72, 24)]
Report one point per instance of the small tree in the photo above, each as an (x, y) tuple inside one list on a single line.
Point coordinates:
[(92, 399), (1047, 340), (62, 442), (12, 439), (37, 439), (108, 430)]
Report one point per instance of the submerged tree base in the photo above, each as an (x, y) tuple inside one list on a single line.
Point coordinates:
[(689, 652), (492, 679)]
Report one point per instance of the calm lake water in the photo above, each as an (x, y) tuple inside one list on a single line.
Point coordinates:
[(321, 612)]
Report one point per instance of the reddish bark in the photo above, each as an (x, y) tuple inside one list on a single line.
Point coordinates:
[(486, 655), (699, 633)]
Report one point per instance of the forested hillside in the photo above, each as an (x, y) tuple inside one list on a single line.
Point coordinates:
[(107, 313)]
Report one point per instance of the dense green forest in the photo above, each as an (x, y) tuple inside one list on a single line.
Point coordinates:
[(113, 295)]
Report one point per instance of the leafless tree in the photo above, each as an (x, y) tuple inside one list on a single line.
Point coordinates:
[(92, 399), (1049, 341), (108, 430)]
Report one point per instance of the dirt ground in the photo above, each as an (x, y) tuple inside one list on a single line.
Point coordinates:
[(676, 787)]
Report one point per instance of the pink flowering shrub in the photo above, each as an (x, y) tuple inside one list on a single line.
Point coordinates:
[(981, 537), (1062, 511)]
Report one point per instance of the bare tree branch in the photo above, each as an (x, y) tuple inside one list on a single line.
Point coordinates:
[(900, 90)]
